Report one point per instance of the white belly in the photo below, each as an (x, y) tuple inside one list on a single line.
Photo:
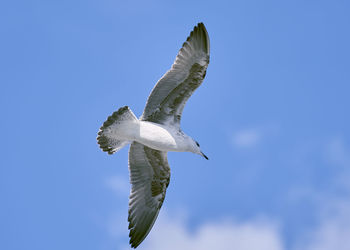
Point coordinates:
[(159, 137), (153, 135)]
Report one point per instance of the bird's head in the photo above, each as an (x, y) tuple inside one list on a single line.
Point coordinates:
[(195, 148)]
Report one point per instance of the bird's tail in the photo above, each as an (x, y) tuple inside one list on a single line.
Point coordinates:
[(110, 136)]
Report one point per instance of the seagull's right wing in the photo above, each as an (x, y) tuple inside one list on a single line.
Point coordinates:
[(169, 96), (149, 177)]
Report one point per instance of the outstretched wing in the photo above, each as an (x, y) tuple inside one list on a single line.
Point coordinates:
[(149, 177), (169, 96)]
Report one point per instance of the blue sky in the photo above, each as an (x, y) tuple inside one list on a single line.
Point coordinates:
[(272, 115)]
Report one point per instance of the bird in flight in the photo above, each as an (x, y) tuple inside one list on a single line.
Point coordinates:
[(157, 132)]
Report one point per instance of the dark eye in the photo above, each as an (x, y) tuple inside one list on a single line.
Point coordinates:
[(197, 144)]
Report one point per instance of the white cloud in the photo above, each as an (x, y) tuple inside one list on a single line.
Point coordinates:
[(247, 138), (173, 234), (120, 185)]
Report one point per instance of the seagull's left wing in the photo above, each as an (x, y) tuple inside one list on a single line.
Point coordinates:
[(149, 177), (169, 96)]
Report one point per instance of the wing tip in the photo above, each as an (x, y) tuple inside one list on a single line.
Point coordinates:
[(137, 237), (138, 233), (201, 32), (133, 242)]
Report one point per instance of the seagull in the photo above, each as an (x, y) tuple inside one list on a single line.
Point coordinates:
[(157, 132)]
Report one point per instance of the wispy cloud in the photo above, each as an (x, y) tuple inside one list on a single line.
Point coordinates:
[(173, 234), (332, 212), (339, 153), (120, 185), (333, 230), (246, 138), (339, 156)]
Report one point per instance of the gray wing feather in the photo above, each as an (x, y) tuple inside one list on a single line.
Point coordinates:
[(149, 177), (168, 98)]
